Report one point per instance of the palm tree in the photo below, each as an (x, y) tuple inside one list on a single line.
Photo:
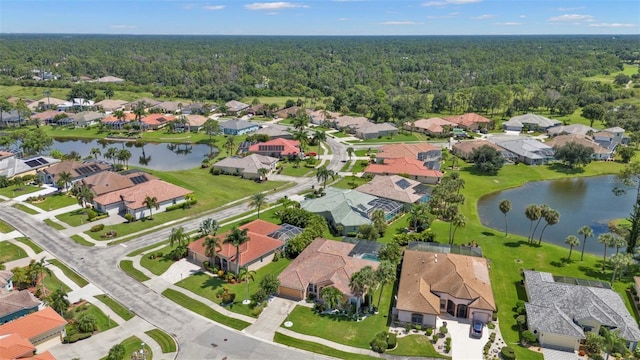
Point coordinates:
[(229, 145), (300, 122), (208, 226), (331, 296), (619, 242), (236, 238), (211, 247), (586, 232), (606, 240), (552, 217), (318, 137), (611, 340), (150, 203), (416, 214), (124, 155), (385, 274), (37, 270), (533, 213), (544, 208), (619, 261), (58, 301), (258, 200), (139, 112), (350, 152), (95, 152), (263, 172), (111, 153), (246, 275), (505, 207), (360, 283), (302, 137), (458, 221), (65, 179), (84, 195), (87, 323), (379, 221), (572, 241), (178, 236), (323, 174)]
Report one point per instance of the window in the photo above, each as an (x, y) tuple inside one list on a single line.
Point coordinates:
[(416, 318), (312, 289), (443, 304)]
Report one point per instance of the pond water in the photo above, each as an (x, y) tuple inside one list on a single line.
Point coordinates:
[(156, 156), (580, 201)]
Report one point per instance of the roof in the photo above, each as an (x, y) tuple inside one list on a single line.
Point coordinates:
[(372, 128), (87, 116), (111, 104), (562, 140), (413, 167), (528, 148), (134, 197), (107, 181), (320, 115), (249, 164), (325, 262), (274, 130), (615, 130), (128, 116), (157, 119), (347, 207), (393, 151), (573, 129), (425, 274), (291, 111), (238, 124), (46, 101), (195, 120), (434, 125), (288, 147), (170, 106), (236, 106), (34, 324), (77, 168), (5, 276), (47, 115), (392, 187), (11, 166), (15, 301), (468, 119), (532, 119), (258, 245), (110, 79), (14, 346), (467, 147), (147, 101), (575, 302), (344, 121)]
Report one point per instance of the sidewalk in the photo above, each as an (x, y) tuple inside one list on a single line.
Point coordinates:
[(325, 342), (213, 305)]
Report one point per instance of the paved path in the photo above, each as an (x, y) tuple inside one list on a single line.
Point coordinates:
[(272, 316)]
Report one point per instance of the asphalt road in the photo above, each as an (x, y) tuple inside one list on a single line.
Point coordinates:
[(198, 338)]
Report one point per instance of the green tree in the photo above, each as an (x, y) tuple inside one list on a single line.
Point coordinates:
[(246, 275), (533, 212), (379, 221), (212, 245), (505, 207), (111, 153), (84, 195), (572, 241), (124, 155), (607, 240), (331, 296), (586, 232), (151, 202), (458, 221), (593, 112), (258, 200), (58, 301), (95, 152), (626, 153), (270, 284), (385, 274), (618, 261), (361, 281), (487, 160), (318, 137), (87, 323), (236, 238), (630, 176), (611, 341), (178, 236), (65, 179), (418, 216), (368, 232), (208, 226), (323, 174), (350, 152), (573, 154), (37, 270), (5, 106), (551, 217), (230, 145), (391, 252), (108, 92), (116, 352)]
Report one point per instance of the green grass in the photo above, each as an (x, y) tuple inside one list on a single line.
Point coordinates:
[(26, 209), (300, 171), (159, 265), (5, 228), (127, 266), (81, 241), (395, 228), (202, 309), (349, 182), (17, 190), (56, 201), (339, 329), (147, 248), (163, 339), (75, 277), (10, 252), (318, 348), (74, 218), (415, 345), (54, 224), (36, 249), (365, 152), (103, 321), (347, 166), (115, 306), (51, 282), (395, 139), (133, 344), (340, 134), (206, 286)]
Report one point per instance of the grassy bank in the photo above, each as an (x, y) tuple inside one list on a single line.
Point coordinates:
[(163, 339), (318, 348), (202, 309), (74, 276), (115, 306)]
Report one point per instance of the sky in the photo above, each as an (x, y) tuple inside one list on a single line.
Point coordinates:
[(321, 17)]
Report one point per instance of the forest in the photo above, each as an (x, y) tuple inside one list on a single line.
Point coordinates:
[(381, 77)]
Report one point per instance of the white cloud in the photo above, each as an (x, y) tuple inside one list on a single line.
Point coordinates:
[(449, 2), (213, 7), (522, 16), (571, 17), (483, 17), (123, 26), (400, 23), (343, 19), (612, 25), (508, 23), (570, 8), (274, 6)]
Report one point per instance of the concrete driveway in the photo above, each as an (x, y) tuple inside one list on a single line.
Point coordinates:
[(462, 345)]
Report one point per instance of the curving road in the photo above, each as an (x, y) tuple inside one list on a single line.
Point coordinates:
[(198, 338)]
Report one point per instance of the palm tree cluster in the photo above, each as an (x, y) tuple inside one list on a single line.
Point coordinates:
[(536, 213)]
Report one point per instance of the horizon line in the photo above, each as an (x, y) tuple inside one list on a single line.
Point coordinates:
[(318, 35)]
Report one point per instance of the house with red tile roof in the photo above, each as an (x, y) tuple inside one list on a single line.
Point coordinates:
[(254, 254), (108, 181), (470, 121), (48, 117), (156, 121), (77, 169), (37, 327), (411, 168), (429, 154), (432, 126), (278, 148), (323, 263), (14, 346), (464, 149), (132, 199)]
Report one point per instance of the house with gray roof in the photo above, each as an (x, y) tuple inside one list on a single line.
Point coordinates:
[(86, 118), (609, 138), (526, 150), (15, 304), (234, 107), (369, 130), (529, 122), (247, 167), (12, 166), (238, 127), (560, 310), (573, 129), (111, 105), (275, 131)]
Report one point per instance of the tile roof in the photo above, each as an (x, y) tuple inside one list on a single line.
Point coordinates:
[(87, 116), (258, 245), (346, 207), (195, 120), (467, 147), (34, 324), (320, 115), (575, 302), (134, 196), (413, 167), (372, 128), (324, 262), (14, 346), (393, 151), (237, 124), (170, 106), (128, 116), (236, 106), (532, 119), (107, 181), (434, 125), (425, 273), (291, 111), (615, 130), (288, 147), (392, 187), (47, 355), (111, 104), (15, 301), (468, 119), (47, 115), (562, 140), (5, 275), (344, 121), (158, 119), (249, 164), (573, 129), (77, 168), (528, 148), (51, 100), (147, 101), (274, 130)]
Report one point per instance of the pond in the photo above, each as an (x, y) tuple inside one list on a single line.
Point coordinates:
[(580, 201), (156, 156)]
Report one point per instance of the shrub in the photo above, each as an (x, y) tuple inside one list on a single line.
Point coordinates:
[(96, 228), (418, 327), (596, 357), (228, 298), (129, 217), (220, 273), (529, 337), (434, 338), (521, 320), (492, 337), (379, 343), (491, 325), (443, 330), (256, 311), (508, 353), (407, 327), (91, 214), (392, 341), (215, 171), (429, 331), (75, 337), (259, 296)]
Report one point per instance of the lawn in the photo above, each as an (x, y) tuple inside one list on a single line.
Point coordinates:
[(146, 248), (366, 152), (127, 267), (115, 306), (131, 345), (74, 276), (103, 321), (160, 264), (318, 348), (56, 201), (395, 228), (207, 286), (54, 224), (349, 182), (81, 241), (36, 249), (10, 252), (290, 170), (74, 218), (347, 165), (394, 139), (415, 345), (202, 309), (28, 210), (5, 228), (163, 339), (338, 328), (51, 282), (340, 134), (17, 190)]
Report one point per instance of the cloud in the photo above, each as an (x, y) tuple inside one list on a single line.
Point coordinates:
[(123, 26), (274, 6), (522, 16), (483, 17), (613, 25), (449, 2), (508, 23), (571, 17), (343, 19), (400, 23), (213, 7), (570, 8)]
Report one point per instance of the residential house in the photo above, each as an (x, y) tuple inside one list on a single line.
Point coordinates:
[(322, 264), (170, 107), (108, 181), (409, 167), (193, 123), (291, 112), (12, 166), (470, 121), (38, 326), (235, 107), (348, 123), (369, 130), (131, 200), (247, 167), (156, 121), (76, 104), (573, 129), (321, 117), (110, 79), (13, 346), (429, 154), (48, 117), (238, 127), (111, 105), (254, 254), (530, 122), (397, 188), (257, 110), (16, 304), (113, 122), (147, 103), (6, 281), (197, 108), (561, 310), (275, 131), (432, 126), (432, 284), (464, 149), (346, 210), (77, 169), (526, 150), (609, 138), (86, 118), (278, 148), (599, 152), (11, 118), (46, 104)]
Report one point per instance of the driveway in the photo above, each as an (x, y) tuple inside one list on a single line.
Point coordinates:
[(551, 354), (462, 345)]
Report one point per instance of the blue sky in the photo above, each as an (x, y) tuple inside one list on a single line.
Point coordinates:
[(321, 17)]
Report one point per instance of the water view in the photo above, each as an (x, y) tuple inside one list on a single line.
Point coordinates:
[(156, 156), (581, 201)]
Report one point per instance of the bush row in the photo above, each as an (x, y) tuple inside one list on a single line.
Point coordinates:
[(183, 205)]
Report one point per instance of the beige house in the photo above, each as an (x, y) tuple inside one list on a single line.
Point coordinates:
[(247, 167), (432, 126)]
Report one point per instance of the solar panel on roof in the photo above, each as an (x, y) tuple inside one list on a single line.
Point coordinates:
[(403, 184), (94, 167), (32, 163), (139, 179), (84, 170), (42, 161)]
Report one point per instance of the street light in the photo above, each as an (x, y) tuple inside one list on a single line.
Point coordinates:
[(142, 352)]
